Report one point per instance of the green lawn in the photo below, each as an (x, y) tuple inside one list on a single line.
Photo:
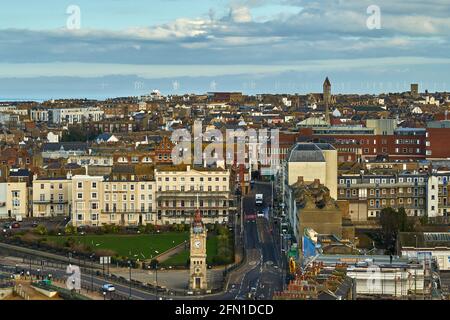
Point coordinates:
[(129, 245), (181, 258)]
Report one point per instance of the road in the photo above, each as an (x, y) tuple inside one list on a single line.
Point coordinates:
[(88, 280), (262, 273)]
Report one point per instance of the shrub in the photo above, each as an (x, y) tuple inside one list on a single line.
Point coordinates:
[(149, 228), (69, 243), (40, 230), (70, 230)]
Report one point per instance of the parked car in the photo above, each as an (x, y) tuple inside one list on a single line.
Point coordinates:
[(15, 225)]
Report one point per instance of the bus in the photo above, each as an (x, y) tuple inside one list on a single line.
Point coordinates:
[(259, 199)]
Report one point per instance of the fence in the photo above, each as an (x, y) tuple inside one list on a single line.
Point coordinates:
[(20, 292)]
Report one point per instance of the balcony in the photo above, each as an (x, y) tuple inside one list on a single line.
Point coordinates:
[(125, 212), (48, 201), (192, 194)]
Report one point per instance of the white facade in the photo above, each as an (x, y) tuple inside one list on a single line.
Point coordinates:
[(13, 199), (97, 201), (52, 197), (39, 115), (75, 115), (390, 281), (440, 254)]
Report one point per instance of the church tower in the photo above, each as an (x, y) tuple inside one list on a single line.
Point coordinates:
[(327, 98), (197, 274)]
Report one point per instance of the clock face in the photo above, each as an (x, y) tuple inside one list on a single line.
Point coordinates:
[(197, 244)]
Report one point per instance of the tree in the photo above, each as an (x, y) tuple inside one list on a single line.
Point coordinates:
[(154, 263), (392, 222)]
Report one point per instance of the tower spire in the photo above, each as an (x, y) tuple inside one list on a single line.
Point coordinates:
[(327, 98)]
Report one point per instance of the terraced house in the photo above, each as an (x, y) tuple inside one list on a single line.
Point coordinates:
[(438, 199), (52, 196), (183, 189), (368, 193), (98, 200)]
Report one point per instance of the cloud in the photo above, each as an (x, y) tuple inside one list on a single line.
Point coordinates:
[(336, 31), (240, 14)]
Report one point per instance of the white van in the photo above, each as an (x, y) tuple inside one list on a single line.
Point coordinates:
[(259, 199)]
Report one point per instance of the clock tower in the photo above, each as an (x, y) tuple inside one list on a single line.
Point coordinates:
[(197, 274)]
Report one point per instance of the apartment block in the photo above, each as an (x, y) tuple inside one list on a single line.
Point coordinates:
[(98, 201), (438, 199), (51, 196), (13, 200), (183, 189), (368, 194)]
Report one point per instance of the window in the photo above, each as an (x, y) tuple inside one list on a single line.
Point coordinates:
[(94, 185), (79, 195), (94, 195), (94, 205), (80, 185)]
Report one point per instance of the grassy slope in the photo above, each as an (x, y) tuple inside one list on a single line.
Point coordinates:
[(181, 258), (124, 244)]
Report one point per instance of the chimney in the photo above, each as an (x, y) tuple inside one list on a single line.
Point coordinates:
[(300, 180)]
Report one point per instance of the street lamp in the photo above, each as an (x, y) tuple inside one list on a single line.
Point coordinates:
[(104, 295), (129, 264)]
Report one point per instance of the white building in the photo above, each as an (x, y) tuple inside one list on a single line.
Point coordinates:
[(75, 115), (39, 114), (398, 281), (97, 201), (437, 194), (13, 200)]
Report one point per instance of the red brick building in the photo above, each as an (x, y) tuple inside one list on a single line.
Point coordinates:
[(354, 143), (438, 140)]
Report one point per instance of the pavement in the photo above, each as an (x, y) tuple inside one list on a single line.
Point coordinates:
[(173, 279)]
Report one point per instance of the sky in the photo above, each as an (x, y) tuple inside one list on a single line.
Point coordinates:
[(106, 48)]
